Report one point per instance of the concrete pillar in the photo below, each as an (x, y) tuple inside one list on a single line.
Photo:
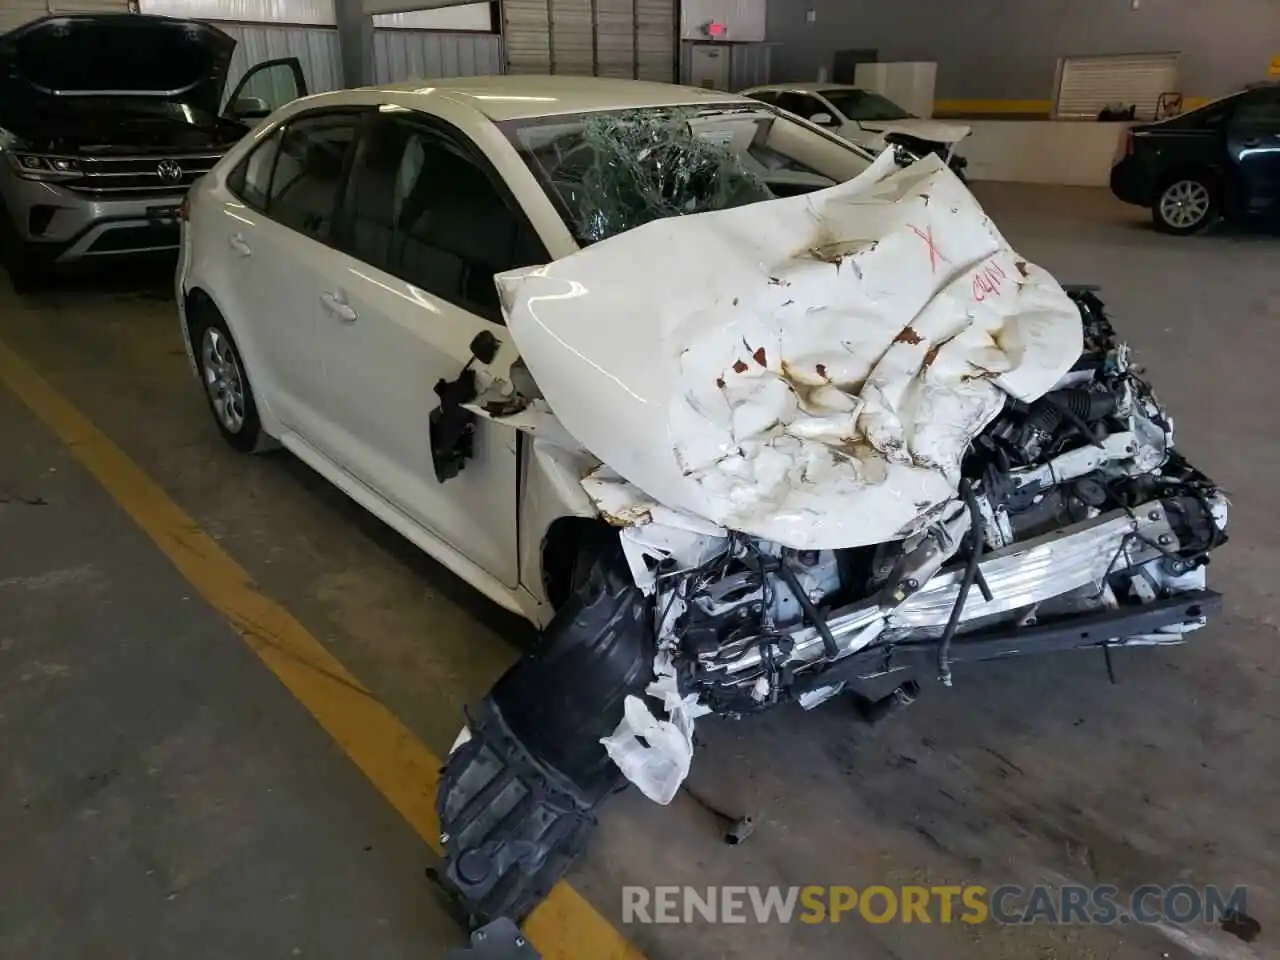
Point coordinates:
[(355, 42)]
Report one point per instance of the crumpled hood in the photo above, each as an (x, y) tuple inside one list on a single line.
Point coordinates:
[(808, 370), (935, 131)]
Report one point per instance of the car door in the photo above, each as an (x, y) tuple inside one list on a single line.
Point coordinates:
[(1253, 145), (289, 186), (265, 88), (426, 227)]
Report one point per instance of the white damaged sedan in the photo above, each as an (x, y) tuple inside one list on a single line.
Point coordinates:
[(736, 413)]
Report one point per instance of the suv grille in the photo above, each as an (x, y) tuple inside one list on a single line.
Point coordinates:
[(131, 176)]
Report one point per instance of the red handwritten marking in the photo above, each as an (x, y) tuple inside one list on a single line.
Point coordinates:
[(988, 282), (934, 253)]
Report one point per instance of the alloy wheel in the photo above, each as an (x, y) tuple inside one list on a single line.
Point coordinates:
[(223, 379), (1185, 204)]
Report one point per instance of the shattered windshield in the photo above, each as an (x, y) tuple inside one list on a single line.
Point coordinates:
[(865, 105), (609, 172)]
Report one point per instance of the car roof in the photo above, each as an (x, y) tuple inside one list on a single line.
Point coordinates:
[(509, 97), (806, 87)]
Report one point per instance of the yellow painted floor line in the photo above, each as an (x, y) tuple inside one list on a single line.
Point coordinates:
[(565, 926)]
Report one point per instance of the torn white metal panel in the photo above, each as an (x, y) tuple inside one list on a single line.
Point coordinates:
[(808, 370)]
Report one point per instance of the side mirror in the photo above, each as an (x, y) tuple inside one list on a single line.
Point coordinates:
[(250, 108), (484, 347), (823, 119)]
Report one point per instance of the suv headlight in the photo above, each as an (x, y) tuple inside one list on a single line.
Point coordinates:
[(33, 166)]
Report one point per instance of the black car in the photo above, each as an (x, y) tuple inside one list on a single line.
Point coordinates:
[(1220, 160)]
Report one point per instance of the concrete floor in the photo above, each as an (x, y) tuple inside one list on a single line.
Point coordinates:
[(137, 730)]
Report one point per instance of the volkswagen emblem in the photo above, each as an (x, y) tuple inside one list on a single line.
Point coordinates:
[(169, 172)]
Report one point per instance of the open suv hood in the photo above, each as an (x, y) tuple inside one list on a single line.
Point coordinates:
[(118, 55)]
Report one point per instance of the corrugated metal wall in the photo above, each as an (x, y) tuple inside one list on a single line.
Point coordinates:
[(750, 65), (14, 13), (398, 54), (414, 54)]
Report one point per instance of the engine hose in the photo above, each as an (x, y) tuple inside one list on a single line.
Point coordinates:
[(819, 621), (966, 582)]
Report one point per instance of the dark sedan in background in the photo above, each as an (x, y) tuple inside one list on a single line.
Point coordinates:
[(1220, 160)]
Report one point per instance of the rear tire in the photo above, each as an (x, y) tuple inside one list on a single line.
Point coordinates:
[(226, 384), (1186, 204)]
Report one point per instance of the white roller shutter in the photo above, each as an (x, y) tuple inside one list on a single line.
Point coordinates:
[(1088, 84), (656, 40), (616, 38), (526, 35), (604, 38), (572, 38), (14, 13)]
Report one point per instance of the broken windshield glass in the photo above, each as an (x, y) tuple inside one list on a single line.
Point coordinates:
[(612, 171)]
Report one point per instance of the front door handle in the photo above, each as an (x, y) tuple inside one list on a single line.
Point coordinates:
[(336, 303), (240, 245)]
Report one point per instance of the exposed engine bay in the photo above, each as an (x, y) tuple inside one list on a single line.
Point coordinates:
[(1077, 526), (875, 447)]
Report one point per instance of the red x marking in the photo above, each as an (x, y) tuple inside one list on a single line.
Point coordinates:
[(934, 253)]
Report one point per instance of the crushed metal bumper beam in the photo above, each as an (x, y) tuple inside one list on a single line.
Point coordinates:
[(1019, 576), (1088, 631)]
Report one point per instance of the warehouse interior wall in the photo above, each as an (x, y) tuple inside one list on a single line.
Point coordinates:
[(1009, 49)]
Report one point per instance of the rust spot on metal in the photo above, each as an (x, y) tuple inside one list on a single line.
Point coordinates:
[(1022, 267), (720, 382), (822, 370), (739, 367), (908, 335), (930, 356), (759, 357)]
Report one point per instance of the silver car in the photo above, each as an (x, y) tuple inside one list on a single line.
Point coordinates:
[(105, 122)]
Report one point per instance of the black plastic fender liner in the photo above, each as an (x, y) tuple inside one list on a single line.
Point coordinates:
[(516, 800)]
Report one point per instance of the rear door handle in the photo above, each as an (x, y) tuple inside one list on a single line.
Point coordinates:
[(240, 245), (335, 302)]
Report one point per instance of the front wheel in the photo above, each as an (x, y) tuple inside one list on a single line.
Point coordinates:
[(226, 384), (1186, 205)]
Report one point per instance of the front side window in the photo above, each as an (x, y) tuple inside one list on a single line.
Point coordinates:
[(611, 171), (864, 105), (421, 209)]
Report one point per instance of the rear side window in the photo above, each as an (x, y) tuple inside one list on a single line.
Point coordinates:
[(765, 96), (800, 104), (295, 176), (307, 181), (252, 181), (421, 209)]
